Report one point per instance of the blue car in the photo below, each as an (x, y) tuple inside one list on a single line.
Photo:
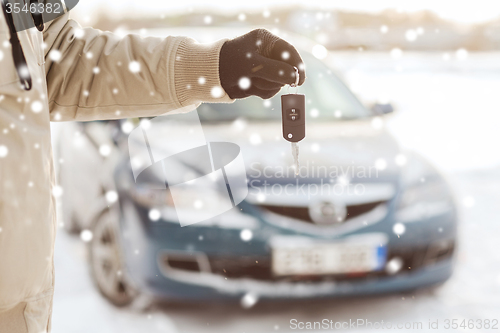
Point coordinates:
[(362, 217)]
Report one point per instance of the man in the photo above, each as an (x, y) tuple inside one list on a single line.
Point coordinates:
[(79, 74)]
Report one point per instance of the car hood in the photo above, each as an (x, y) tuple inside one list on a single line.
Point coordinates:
[(353, 148), (361, 150)]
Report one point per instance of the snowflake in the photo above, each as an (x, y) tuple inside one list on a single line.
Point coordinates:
[(314, 113), (79, 33), (242, 17), (1, 55), (111, 197), (394, 265), (315, 147), (154, 215), (255, 139), (105, 150), (127, 127), (246, 235), (136, 162), (400, 159), (96, 70), (216, 92), (145, 124), (244, 83), (285, 55), (399, 229), (89, 55), (57, 191), (411, 35), (198, 204), (469, 201), (266, 13), (343, 180), (384, 29), (377, 123), (396, 53), (86, 235), (55, 55), (380, 164), (4, 151), (202, 80), (134, 67), (249, 300), (239, 124), (207, 19), (462, 54), (24, 71), (319, 51)]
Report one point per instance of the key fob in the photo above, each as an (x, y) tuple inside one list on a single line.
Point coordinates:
[(293, 111)]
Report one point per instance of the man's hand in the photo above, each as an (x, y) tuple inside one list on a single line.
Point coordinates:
[(258, 63)]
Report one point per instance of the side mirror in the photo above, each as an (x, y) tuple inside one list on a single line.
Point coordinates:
[(382, 109)]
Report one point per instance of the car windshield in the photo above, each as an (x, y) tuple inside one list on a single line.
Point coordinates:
[(327, 99)]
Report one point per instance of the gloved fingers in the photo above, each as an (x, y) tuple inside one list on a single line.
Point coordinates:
[(265, 94), (273, 70), (236, 92), (284, 51), (265, 85)]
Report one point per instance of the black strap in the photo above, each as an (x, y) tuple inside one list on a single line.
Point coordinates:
[(37, 17), (17, 52)]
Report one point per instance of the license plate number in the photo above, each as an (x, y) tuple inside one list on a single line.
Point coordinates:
[(308, 258)]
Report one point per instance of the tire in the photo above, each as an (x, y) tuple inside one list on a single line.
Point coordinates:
[(106, 265)]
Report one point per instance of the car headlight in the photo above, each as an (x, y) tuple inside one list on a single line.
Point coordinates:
[(425, 193)]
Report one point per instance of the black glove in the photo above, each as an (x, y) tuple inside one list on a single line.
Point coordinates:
[(258, 63)]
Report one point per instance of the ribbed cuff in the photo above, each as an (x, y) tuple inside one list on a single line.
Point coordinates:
[(196, 73)]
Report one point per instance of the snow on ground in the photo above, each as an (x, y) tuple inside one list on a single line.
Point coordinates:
[(446, 110)]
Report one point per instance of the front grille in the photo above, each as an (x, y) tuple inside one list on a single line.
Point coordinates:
[(302, 213)]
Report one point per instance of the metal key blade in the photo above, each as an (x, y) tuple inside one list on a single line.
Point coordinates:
[(295, 154)]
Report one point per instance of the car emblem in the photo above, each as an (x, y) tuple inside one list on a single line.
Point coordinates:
[(328, 212)]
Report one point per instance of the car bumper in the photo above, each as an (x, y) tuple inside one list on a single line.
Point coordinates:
[(206, 286), (420, 249)]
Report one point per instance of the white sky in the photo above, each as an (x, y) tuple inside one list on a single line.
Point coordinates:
[(465, 11)]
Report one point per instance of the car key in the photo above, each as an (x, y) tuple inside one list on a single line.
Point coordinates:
[(293, 108)]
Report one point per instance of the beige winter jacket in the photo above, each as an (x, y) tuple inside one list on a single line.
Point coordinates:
[(78, 74)]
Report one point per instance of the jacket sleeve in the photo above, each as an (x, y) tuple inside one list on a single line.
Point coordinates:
[(95, 75)]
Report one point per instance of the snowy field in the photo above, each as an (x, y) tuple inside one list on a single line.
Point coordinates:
[(448, 109)]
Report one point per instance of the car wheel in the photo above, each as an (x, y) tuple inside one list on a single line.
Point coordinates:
[(108, 271)]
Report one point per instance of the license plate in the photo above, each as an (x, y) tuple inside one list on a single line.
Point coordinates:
[(302, 256)]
